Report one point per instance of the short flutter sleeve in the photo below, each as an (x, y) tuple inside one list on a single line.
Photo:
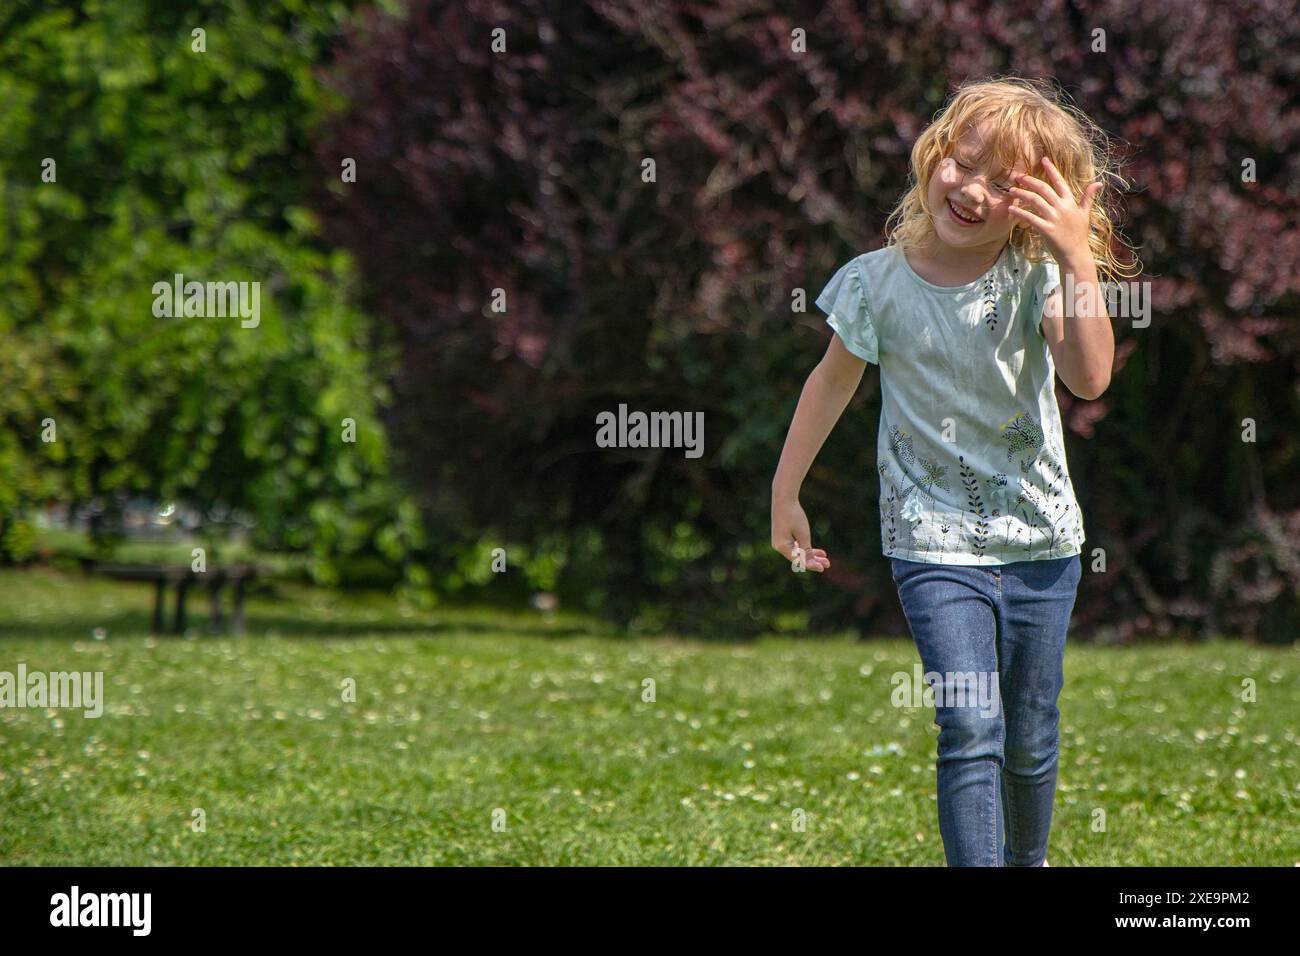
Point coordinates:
[(844, 300), (1048, 277)]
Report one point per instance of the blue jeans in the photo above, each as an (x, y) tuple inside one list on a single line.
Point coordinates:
[(1005, 625)]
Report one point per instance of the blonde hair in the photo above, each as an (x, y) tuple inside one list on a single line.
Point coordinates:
[(1026, 115)]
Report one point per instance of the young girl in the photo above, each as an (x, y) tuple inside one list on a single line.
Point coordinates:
[(963, 312)]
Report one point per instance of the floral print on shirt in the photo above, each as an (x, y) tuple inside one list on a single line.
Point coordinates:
[(1002, 497)]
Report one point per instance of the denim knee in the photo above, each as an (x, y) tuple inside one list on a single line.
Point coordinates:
[(1029, 758), (966, 734)]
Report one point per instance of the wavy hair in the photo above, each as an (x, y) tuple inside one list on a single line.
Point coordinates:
[(1030, 119)]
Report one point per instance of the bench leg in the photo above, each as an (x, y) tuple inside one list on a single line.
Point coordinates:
[(159, 599), (215, 618), (237, 623), (178, 623)]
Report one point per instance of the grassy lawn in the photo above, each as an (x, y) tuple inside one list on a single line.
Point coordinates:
[(469, 715)]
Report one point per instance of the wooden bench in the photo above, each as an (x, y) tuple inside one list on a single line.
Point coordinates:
[(183, 577)]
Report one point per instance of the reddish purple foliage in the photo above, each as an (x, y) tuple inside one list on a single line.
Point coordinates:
[(521, 171)]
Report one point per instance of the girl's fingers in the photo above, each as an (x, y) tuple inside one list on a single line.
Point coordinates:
[(814, 559), (1058, 181), (1025, 196), (808, 552), (1037, 185), (1040, 224)]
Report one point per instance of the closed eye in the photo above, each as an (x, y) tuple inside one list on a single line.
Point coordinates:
[(1005, 189)]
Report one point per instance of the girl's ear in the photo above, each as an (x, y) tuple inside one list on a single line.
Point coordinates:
[(1090, 194)]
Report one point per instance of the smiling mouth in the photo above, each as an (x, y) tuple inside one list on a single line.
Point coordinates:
[(963, 216)]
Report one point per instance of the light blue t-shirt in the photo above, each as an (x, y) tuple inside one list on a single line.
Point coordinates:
[(970, 451)]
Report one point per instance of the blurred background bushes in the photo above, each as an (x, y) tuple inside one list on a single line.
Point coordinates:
[(523, 171), (169, 160)]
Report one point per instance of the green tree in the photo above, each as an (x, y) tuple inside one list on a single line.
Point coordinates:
[(137, 148)]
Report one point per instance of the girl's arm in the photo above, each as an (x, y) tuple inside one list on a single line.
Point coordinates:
[(826, 394), (1083, 348)]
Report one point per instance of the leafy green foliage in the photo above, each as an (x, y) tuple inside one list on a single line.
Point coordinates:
[(172, 160)]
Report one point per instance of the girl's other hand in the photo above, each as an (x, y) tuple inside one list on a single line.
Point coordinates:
[(792, 536)]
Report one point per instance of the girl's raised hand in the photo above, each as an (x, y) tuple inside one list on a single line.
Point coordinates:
[(1062, 222)]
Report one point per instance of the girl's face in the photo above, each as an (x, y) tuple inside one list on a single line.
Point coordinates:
[(969, 203)]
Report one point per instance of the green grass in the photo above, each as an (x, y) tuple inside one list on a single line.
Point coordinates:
[(460, 713)]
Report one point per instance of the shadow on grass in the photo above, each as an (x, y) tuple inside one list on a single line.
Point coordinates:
[(72, 607), (137, 624)]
